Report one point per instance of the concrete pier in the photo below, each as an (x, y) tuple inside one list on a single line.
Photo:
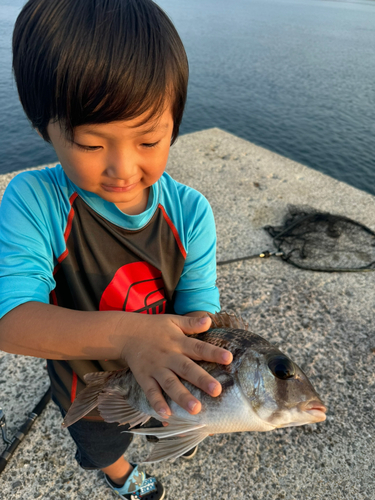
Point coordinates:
[(323, 321)]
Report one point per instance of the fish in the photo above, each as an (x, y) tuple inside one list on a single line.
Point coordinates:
[(262, 390)]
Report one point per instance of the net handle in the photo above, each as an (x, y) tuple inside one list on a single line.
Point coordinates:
[(264, 255)]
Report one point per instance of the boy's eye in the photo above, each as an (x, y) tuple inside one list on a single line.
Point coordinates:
[(150, 144), (87, 148)]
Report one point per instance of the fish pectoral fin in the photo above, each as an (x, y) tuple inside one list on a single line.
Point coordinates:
[(113, 407), (176, 425), (166, 432), (175, 447)]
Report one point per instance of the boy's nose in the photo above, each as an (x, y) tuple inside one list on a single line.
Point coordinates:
[(122, 166)]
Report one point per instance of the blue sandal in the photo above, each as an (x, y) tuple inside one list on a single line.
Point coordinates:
[(138, 486)]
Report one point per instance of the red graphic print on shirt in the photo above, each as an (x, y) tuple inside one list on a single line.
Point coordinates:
[(136, 287)]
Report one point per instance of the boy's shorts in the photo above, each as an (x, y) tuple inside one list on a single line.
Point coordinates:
[(99, 444)]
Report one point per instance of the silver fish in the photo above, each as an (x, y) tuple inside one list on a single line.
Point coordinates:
[(262, 390)]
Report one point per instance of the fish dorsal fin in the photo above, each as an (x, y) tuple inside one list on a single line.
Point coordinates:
[(175, 447), (225, 320), (113, 407)]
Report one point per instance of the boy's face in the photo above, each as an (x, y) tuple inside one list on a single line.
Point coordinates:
[(118, 161)]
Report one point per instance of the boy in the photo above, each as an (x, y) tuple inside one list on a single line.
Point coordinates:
[(102, 255)]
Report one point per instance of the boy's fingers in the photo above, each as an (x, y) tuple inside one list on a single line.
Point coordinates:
[(196, 375), (172, 386), (155, 397), (190, 324), (199, 351)]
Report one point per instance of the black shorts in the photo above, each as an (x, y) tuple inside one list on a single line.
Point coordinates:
[(99, 444)]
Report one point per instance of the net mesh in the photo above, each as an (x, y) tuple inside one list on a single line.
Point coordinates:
[(321, 241)]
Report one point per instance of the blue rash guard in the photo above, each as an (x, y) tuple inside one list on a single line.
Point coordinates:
[(62, 245)]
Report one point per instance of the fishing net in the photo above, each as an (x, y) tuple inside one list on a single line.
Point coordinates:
[(320, 241)]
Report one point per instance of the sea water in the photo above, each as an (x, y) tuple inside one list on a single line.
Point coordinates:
[(294, 76)]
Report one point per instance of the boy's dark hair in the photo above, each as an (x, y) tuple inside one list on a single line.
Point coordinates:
[(97, 61)]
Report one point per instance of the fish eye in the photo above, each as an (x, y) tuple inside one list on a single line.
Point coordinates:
[(281, 367)]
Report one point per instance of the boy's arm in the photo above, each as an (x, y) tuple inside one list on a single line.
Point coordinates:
[(196, 289), (156, 348)]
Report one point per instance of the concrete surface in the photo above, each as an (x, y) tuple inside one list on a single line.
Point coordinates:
[(325, 322)]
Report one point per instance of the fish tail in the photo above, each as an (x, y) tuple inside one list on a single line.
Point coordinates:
[(87, 399)]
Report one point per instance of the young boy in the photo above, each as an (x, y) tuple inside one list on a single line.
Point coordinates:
[(102, 256)]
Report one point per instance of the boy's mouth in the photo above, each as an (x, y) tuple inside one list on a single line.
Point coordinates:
[(112, 188)]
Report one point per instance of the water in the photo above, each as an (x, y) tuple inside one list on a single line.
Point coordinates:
[(294, 76)]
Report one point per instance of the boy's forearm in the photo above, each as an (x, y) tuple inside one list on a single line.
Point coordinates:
[(52, 332), (157, 348)]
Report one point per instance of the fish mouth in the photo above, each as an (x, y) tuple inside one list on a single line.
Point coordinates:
[(314, 408)]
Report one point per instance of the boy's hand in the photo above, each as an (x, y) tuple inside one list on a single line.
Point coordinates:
[(158, 352)]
